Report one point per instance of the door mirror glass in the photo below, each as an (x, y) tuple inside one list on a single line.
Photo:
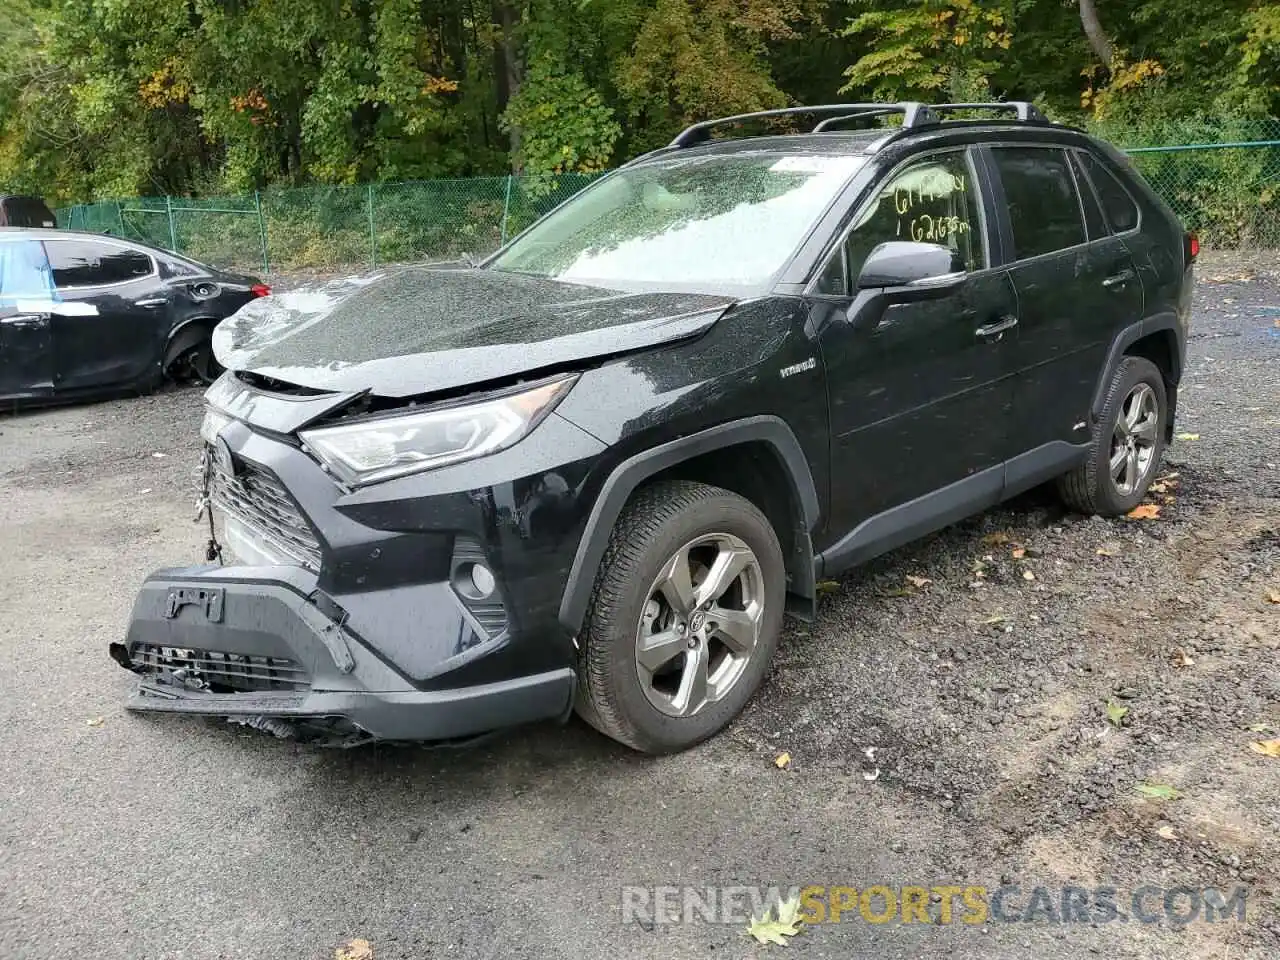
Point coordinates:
[(908, 263)]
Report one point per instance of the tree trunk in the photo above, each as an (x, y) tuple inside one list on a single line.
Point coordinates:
[(1094, 32), (510, 69)]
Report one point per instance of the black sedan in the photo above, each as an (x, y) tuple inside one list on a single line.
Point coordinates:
[(82, 313)]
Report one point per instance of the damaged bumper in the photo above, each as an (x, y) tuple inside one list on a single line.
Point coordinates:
[(263, 644)]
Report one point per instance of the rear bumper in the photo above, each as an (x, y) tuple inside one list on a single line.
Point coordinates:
[(200, 636)]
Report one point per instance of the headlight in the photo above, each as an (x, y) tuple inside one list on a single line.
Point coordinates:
[(211, 426), (373, 450)]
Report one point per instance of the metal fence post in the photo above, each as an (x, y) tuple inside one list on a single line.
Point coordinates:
[(120, 217), (262, 231), (373, 236), (173, 233), (506, 207)]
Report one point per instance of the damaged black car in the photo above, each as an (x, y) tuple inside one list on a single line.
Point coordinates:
[(593, 472), (83, 314)]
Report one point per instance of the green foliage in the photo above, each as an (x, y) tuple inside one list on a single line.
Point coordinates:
[(108, 98)]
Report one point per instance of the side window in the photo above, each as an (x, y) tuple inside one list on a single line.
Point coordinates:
[(1116, 201), (933, 201), (1094, 224), (84, 263), (1044, 210), (24, 272)]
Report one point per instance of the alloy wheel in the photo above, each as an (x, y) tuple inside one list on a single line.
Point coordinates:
[(700, 625), (1133, 442)]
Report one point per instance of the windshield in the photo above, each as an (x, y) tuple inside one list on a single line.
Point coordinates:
[(694, 223)]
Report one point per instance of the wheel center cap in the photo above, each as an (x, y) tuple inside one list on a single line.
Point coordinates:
[(697, 620)]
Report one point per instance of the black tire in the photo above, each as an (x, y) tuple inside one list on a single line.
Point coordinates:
[(655, 525), (1090, 487)]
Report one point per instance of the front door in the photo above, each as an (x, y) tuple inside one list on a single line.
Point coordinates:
[(26, 348), (919, 391), (111, 322)]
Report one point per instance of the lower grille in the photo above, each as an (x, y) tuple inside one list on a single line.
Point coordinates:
[(260, 501), (218, 671)]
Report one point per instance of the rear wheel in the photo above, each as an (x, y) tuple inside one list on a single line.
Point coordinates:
[(1127, 446), (198, 364), (684, 618)]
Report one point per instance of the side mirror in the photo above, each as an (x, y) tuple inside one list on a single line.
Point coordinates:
[(905, 263)]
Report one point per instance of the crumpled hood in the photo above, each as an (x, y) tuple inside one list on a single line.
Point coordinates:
[(418, 330)]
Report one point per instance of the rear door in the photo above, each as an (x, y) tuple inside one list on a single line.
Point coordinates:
[(26, 347), (111, 324), (1076, 285)]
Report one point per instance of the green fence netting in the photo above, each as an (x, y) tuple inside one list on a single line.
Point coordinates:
[(1223, 181)]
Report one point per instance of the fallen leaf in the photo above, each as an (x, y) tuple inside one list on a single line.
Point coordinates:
[(1116, 713), (991, 621), (827, 586), (1180, 658), (1268, 748), (1261, 728), (357, 949), (1104, 552), (918, 581), (96, 721), (1144, 511), (1166, 832), (159, 456), (1273, 596), (1019, 552), (767, 930), (782, 761), (1158, 487), (997, 538), (1187, 436), (1170, 476), (1158, 791), (1028, 575)]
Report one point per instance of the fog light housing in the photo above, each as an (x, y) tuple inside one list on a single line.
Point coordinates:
[(483, 580)]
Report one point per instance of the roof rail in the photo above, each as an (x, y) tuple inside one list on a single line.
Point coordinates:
[(913, 115), (1021, 108)]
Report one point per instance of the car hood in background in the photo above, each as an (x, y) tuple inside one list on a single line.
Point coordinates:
[(419, 330)]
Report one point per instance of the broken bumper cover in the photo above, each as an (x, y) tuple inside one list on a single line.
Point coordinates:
[(249, 642)]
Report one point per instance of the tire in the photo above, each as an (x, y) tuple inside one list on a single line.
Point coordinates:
[(1093, 487), (669, 526)]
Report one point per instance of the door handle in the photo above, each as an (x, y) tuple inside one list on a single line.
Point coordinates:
[(1118, 279), (994, 331)]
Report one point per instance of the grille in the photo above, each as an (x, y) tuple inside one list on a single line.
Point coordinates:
[(221, 671), (258, 500)]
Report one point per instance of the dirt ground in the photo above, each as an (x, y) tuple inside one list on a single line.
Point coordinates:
[(946, 719)]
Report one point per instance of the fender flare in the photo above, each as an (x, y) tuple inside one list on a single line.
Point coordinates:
[(184, 336), (1123, 340), (629, 474)]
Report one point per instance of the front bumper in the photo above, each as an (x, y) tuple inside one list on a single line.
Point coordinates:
[(202, 635)]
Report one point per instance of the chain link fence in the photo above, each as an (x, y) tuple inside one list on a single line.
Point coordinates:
[(1223, 182)]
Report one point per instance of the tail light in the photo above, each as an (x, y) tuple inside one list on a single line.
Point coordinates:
[(260, 290), (1192, 244)]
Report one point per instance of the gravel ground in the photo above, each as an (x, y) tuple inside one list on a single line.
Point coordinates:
[(977, 664)]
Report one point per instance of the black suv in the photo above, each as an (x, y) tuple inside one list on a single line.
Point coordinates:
[(593, 472)]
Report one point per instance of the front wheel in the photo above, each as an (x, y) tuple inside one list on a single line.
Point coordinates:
[(1127, 446), (684, 618)]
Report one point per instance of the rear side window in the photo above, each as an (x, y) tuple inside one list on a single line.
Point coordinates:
[(1118, 205), (1044, 210), (85, 263)]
